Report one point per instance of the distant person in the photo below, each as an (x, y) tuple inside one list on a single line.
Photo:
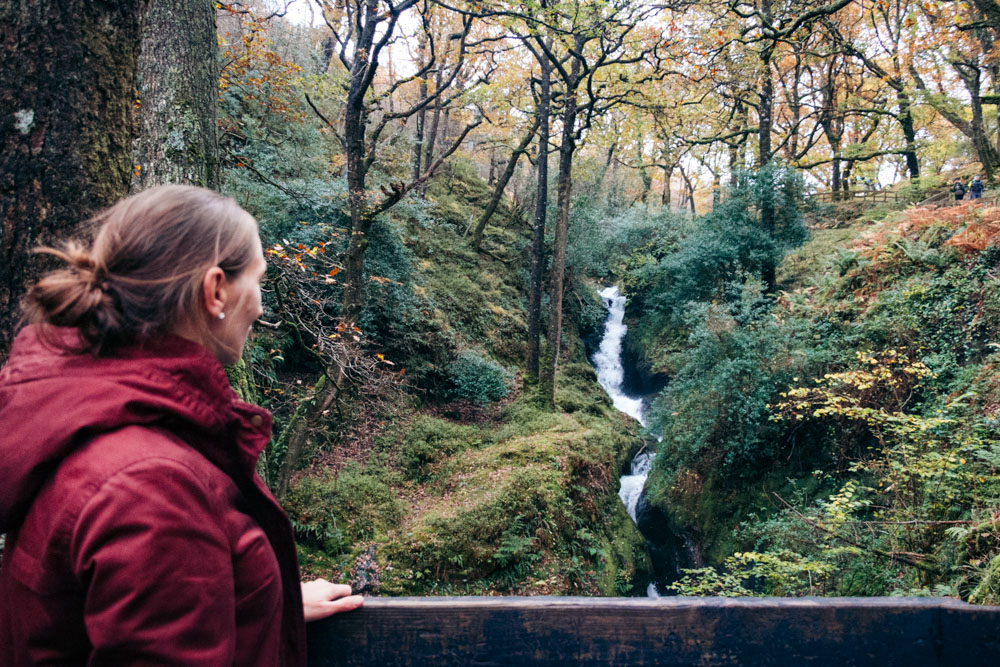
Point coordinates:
[(976, 188), (868, 185), (958, 190), (138, 531)]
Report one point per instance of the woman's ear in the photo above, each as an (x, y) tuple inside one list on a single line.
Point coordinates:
[(213, 288)]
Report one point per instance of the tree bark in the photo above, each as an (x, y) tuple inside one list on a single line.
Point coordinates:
[(557, 275), (644, 175), (418, 140), (835, 177), (764, 145), (736, 148), (668, 173), (67, 87), (766, 95), (905, 118), (690, 190), (355, 121), (431, 136), (538, 232), (177, 141), (296, 433), (985, 149)]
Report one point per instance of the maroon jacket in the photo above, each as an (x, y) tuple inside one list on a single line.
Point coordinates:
[(137, 529)]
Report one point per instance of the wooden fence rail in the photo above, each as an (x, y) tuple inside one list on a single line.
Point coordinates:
[(868, 196), (668, 631)]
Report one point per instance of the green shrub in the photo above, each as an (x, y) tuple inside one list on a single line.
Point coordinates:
[(336, 512), (430, 439), (477, 379), (715, 408), (726, 242)]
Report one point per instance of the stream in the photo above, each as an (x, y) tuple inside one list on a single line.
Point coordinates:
[(611, 375)]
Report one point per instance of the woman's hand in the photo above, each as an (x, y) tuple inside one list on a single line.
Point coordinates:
[(320, 599)]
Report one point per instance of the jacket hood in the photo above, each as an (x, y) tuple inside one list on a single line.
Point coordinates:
[(53, 401)]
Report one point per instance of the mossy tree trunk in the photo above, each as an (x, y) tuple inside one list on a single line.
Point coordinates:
[(296, 434), (66, 91), (538, 231), (178, 96), (563, 189), (764, 151)]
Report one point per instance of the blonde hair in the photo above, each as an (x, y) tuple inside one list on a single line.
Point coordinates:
[(144, 270)]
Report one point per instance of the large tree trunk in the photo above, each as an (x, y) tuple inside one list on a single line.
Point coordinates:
[(736, 148), (764, 145), (431, 136), (308, 413), (418, 139), (176, 140), (538, 233), (765, 97), (689, 197), (355, 120), (793, 99), (835, 176), (644, 175), (668, 173), (985, 149), (67, 87), (565, 182), (905, 118)]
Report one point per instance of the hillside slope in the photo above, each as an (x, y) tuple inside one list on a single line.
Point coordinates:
[(434, 473), (839, 436)]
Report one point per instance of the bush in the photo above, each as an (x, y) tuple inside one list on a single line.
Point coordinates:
[(714, 410), (334, 513), (430, 439), (477, 379), (726, 242)]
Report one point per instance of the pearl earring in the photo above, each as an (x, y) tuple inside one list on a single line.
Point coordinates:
[(222, 316)]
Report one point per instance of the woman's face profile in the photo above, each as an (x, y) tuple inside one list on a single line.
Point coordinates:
[(242, 309)]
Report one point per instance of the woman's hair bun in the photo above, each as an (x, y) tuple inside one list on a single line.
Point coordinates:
[(78, 296)]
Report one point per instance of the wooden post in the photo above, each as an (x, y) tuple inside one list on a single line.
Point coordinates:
[(486, 631)]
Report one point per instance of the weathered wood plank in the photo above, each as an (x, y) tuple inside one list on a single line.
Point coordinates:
[(667, 631)]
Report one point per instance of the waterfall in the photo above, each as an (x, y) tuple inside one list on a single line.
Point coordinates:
[(608, 359), (611, 375)]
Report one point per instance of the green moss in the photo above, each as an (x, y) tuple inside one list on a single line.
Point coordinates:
[(334, 512), (430, 440), (537, 495), (988, 590)]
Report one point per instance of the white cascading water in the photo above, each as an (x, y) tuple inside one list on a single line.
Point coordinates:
[(608, 359), (611, 375)]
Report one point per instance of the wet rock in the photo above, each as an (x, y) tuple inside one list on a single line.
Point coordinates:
[(671, 548), (639, 380)]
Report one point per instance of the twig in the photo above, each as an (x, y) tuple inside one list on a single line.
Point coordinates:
[(898, 557)]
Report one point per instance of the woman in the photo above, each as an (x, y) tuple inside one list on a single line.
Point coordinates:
[(958, 189), (137, 529)]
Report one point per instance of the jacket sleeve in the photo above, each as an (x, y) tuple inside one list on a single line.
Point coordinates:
[(157, 570)]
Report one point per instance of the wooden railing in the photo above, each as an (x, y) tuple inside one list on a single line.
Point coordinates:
[(668, 631), (868, 196)]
